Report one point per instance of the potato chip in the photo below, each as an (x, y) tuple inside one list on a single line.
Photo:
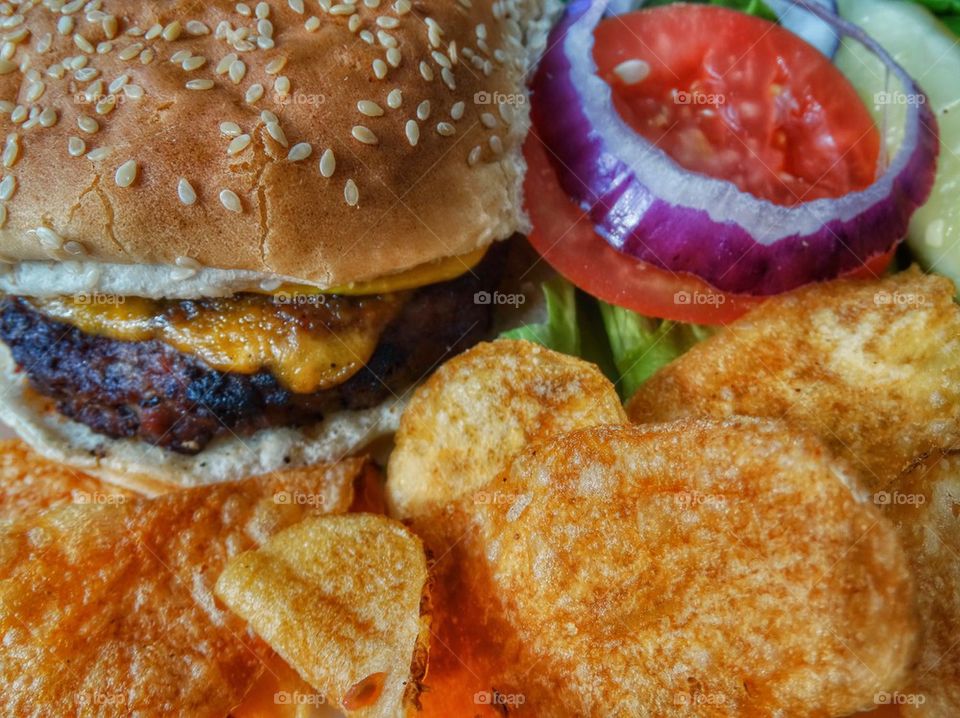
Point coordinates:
[(108, 608), (925, 506), (339, 599), (872, 368), (28, 482), (697, 568), (476, 412)]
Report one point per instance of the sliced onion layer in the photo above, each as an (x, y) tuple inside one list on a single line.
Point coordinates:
[(648, 206)]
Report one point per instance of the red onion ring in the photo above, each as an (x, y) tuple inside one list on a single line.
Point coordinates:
[(646, 205)]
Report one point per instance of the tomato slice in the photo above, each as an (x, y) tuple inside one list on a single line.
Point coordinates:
[(739, 98), (565, 238)]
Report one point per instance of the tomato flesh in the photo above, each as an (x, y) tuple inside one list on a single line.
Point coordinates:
[(739, 98)]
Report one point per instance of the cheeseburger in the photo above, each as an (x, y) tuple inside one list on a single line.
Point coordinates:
[(234, 235)]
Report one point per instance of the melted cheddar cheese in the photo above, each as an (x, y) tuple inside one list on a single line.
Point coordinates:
[(307, 338)]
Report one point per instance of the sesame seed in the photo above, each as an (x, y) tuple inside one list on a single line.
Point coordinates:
[(496, 144), (48, 238), (312, 24), (237, 71), (370, 108), (224, 65), (372, 4), (98, 154), (238, 144), (76, 146), (254, 93), (197, 28), (342, 9), (296, 6), (230, 129), (126, 174), (328, 163), (194, 63), (366, 36), (488, 120), (426, 71), (48, 117), (179, 56), (83, 43), (199, 85), (118, 83), (282, 86), (440, 59), (74, 249), (379, 68), (18, 115), (423, 110), (446, 129), (155, 31), (65, 25), (11, 152), (456, 112), (394, 57), (269, 117), (130, 51), (474, 155), (186, 192), (448, 78), (350, 193), (172, 31), (147, 56), (300, 151), (134, 92), (275, 65), (230, 200), (402, 7), (276, 132), (353, 23), (395, 99), (386, 39), (364, 135), (8, 187), (413, 132)]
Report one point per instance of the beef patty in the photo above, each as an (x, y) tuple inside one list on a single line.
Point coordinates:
[(149, 390)]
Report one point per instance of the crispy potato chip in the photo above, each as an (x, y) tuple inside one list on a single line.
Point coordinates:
[(476, 412), (28, 482), (698, 568), (339, 599), (872, 368), (108, 609), (925, 506)]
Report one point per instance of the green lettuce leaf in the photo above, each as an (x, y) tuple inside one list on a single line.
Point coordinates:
[(561, 330), (641, 346)]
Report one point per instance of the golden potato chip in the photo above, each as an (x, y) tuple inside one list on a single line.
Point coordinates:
[(339, 599), (476, 412), (107, 608), (28, 482), (698, 568), (924, 504), (872, 368)]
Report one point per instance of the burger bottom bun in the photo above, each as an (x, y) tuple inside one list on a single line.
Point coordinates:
[(135, 465)]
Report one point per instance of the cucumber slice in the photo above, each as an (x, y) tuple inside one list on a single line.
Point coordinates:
[(930, 53)]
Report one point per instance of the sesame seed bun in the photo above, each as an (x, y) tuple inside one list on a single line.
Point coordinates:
[(203, 179)]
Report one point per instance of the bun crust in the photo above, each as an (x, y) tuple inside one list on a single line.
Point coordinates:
[(439, 198)]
